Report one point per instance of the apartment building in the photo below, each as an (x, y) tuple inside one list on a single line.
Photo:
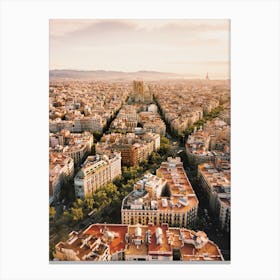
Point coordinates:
[(121, 242), (219, 132), (134, 147), (96, 171), (197, 147), (184, 103), (75, 145), (183, 202), (146, 203), (93, 123), (84, 106), (152, 122), (61, 168), (57, 125), (126, 120), (215, 180)]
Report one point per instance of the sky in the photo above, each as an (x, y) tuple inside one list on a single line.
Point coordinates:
[(190, 47)]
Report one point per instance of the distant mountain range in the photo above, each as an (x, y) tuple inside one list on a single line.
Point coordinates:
[(112, 75)]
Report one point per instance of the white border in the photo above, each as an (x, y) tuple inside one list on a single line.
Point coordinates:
[(255, 137)]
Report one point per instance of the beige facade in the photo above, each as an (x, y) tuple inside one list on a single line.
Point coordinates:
[(75, 145), (92, 123), (96, 172), (134, 147), (61, 168), (147, 205), (197, 147), (77, 153), (216, 185), (152, 122), (126, 120)]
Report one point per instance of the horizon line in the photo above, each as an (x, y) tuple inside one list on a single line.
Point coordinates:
[(142, 70)]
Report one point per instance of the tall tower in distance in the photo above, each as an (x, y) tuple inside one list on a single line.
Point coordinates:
[(138, 90), (141, 93), (207, 77)]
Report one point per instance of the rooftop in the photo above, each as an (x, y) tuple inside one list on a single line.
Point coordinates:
[(160, 244), (117, 243), (137, 245), (139, 240), (147, 192)]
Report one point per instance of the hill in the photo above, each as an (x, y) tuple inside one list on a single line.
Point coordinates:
[(111, 75)]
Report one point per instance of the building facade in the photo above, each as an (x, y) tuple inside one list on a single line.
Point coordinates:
[(120, 242), (147, 203), (197, 147), (134, 147), (215, 181), (96, 172), (61, 169), (75, 145)]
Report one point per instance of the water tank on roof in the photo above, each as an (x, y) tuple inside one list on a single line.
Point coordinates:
[(138, 231), (159, 240), (164, 202), (109, 234), (158, 232)]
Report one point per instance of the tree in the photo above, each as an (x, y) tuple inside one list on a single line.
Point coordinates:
[(200, 122), (144, 164), (89, 203), (164, 149), (66, 217), (52, 212), (189, 131), (97, 135), (111, 192), (155, 158), (118, 181), (67, 191), (78, 203), (129, 173), (77, 214), (164, 140)]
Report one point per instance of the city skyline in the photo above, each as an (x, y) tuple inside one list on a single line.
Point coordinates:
[(187, 47), (138, 161), (139, 140)]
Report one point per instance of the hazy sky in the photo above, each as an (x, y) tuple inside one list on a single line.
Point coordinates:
[(192, 47)]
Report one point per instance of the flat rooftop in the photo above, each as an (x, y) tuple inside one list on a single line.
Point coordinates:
[(92, 242), (140, 249), (162, 248), (179, 184), (118, 243)]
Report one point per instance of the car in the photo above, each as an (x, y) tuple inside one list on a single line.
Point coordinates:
[(92, 213)]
